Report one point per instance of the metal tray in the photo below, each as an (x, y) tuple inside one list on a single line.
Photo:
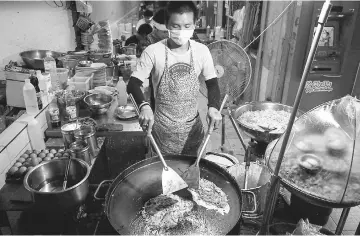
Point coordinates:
[(125, 112), (262, 136)]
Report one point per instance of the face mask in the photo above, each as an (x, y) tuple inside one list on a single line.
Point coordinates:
[(181, 37)]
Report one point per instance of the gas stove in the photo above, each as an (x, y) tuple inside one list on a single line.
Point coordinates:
[(257, 150)]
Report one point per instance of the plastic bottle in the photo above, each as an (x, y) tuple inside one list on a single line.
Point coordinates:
[(50, 67), (54, 113), (36, 135), (35, 82), (122, 92), (208, 31), (70, 108), (42, 82), (222, 34), (30, 100)]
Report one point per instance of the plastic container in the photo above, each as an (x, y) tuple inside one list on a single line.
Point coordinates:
[(42, 82), (122, 92), (31, 103), (35, 82), (36, 135), (50, 67), (217, 33), (62, 76), (81, 83)]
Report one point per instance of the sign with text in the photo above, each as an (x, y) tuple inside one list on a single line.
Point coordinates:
[(318, 86)]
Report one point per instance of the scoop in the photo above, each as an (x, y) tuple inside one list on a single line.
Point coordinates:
[(192, 174), (171, 181)]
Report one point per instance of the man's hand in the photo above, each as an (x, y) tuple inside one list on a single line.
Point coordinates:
[(146, 119), (214, 117)]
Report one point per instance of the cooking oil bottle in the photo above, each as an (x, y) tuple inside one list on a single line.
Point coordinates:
[(30, 99)]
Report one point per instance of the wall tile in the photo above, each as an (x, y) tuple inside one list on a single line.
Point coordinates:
[(4, 159), (10, 132), (18, 144)]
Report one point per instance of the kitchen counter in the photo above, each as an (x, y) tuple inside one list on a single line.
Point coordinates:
[(107, 118)]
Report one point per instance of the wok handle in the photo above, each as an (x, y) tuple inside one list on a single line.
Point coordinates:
[(98, 188), (254, 201)]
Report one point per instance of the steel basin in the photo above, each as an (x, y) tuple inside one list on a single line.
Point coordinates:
[(45, 182), (261, 136), (34, 59)]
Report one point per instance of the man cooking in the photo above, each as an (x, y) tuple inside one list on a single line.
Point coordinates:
[(175, 64)]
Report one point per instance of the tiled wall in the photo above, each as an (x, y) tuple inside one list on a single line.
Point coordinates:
[(14, 141)]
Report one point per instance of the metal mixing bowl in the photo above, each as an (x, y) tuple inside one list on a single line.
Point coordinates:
[(85, 63), (262, 136), (34, 59), (98, 103)]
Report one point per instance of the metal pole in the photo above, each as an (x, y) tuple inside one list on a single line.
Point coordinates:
[(275, 180), (342, 220)]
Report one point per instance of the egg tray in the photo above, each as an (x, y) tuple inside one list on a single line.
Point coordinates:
[(26, 161)]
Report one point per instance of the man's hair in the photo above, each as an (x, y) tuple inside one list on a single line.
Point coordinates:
[(180, 7), (148, 13), (160, 16), (145, 29)]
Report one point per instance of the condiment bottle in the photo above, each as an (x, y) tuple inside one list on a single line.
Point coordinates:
[(35, 82), (54, 113), (208, 31), (122, 92), (36, 136), (30, 98), (70, 107)]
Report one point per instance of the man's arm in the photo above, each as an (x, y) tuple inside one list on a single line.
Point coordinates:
[(133, 88), (213, 93)]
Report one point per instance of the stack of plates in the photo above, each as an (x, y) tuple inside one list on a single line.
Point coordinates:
[(105, 36), (99, 70)]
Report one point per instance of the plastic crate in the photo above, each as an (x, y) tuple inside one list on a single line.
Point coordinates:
[(82, 83)]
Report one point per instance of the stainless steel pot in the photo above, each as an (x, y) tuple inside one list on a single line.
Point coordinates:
[(80, 150), (259, 177), (45, 183), (67, 132), (34, 59), (88, 135)]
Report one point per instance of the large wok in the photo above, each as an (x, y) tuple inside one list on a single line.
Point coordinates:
[(142, 181), (34, 59)]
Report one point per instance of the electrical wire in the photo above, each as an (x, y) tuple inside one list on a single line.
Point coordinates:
[(62, 4), (273, 22)]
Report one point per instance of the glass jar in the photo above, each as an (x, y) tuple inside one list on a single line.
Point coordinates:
[(70, 108)]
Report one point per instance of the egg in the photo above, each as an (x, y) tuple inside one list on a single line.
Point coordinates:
[(39, 160), (47, 159), (24, 156), (53, 151), (28, 152), (13, 169), (33, 155), (26, 164), (55, 158), (66, 154), (22, 169), (36, 151), (61, 150), (22, 160), (34, 161), (58, 154), (50, 155), (18, 164), (45, 151), (30, 168), (42, 155)]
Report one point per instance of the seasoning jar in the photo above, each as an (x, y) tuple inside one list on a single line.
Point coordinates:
[(70, 107), (87, 134), (80, 150)]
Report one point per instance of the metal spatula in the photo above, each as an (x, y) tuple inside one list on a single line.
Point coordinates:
[(192, 174), (66, 174), (171, 181)]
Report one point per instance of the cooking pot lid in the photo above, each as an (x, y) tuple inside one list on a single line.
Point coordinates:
[(322, 157)]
